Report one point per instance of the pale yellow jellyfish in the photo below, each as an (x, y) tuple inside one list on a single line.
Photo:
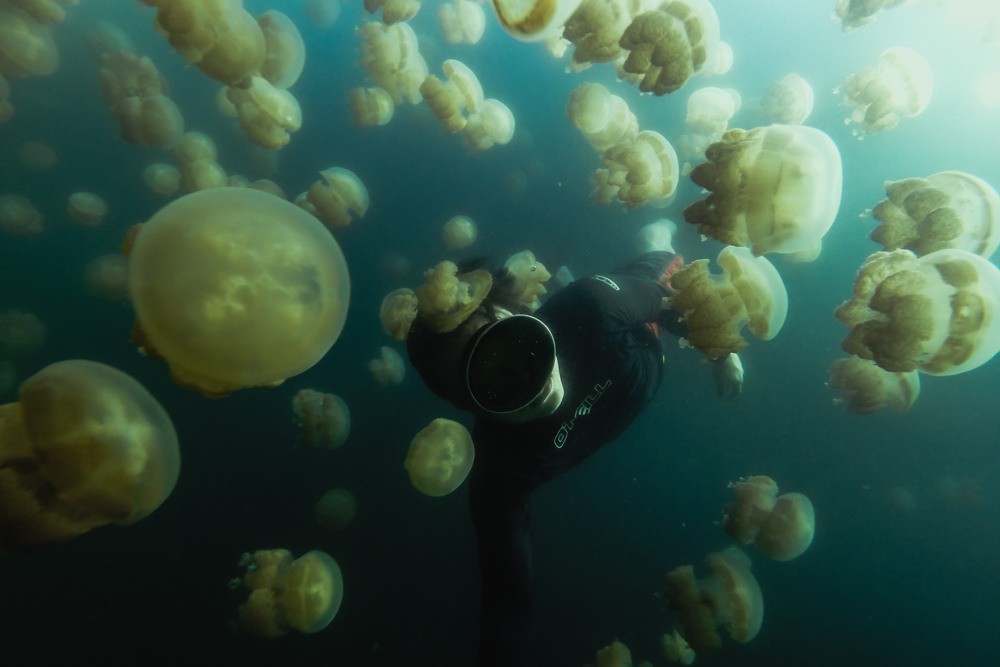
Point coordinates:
[(46, 11), (21, 333), (236, 288), (393, 11), (856, 13), (285, 51), (267, 113), (195, 146), (162, 178), (788, 100), (936, 314), (772, 189), (136, 94), (440, 457), (339, 196), (391, 56), (370, 106), (781, 527), (336, 509), (86, 446), (603, 118), (324, 419), (639, 172), (866, 388), (107, 277), (949, 209), (388, 368), (492, 125), (749, 291), (86, 209), (534, 20), (898, 86), (26, 46), (456, 98), (530, 277), (322, 13), (303, 594), (462, 21), (19, 217), (446, 298), (709, 111), (459, 232), (397, 312)]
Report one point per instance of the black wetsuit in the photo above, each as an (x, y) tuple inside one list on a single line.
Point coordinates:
[(610, 361)]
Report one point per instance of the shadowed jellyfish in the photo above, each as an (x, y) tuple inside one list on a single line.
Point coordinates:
[(781, 527), (529, 278), (440, 457), (336, 509), (324, 418), (21, 333), (866, 388), (856, 13), (162, 179), (388, 369)]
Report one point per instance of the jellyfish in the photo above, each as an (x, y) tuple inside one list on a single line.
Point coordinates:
[(162, 178), (949, 209), (454, 99), (236, 288), (440, 457), (106, 277), (709, 111), (285, 51), (336, 509), (595, 30), (530, 277), (87, 209), (267, 113), (936, 314), (492, 125), (729, 597), (656, 236), (459, 232), (772, 189), (638, 172), (394, 11), (397, 312), (370, 106), (85, 446), (322, 13), (324, 418), (462, 21), (866, 388), (391, 56), (26, 45), (898, 86), (788, 101), (615, 654), (19, 217), (749, 291), (136, 94), (339, 197), (446, 298), (604, 119), (303, 594), (534, 20), (676, 649), (37, 155), (781, 527), (388, 368), (21, 333), (856, 13)]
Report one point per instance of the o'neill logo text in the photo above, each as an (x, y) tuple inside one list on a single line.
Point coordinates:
[(582, 410)]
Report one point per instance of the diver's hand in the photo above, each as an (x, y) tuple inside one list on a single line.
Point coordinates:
[(727, 372)]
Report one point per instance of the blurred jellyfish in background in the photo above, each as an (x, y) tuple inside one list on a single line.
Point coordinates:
[(898, 86), (388, 368), (716, 307), (781, 527), (26, 44), (37, 155), (530, 277), (19, 217), (137, 94), (21, 333), (865, 388), (709, 111), (236, 288), (462, 21), (338, 197), (459, 232), (6, 108), (949, 209), (440, 457), (324, 419), (615, 654), (657, 235), (393, 11), (198, 159), (86, 446), (370, 106), (303, 594), (676, 649), (162, 179), (936, 314), (772, 189), (336, 509), (86, 209), (788, 101), (856, 13), (107, 277), (284, 50), (604, 119), (397, 312), (322, 13)]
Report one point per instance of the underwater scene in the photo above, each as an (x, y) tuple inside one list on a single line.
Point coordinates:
[(219, 219)]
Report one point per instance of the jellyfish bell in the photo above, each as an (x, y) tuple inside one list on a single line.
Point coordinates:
[(285, 51), (533, 20), (440, 457), (865, 388), (397, 312), (446, 298), (324, 419), (86, 209), (459, 232), (162, 178), (388, 368)]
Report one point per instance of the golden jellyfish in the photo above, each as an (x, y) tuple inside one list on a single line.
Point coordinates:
[(37, 155), (195, 146), (615, 654), (781, 527), (604, 119), (236, 288), (202, 175), (336, 509), (676, 649), (949, 209), (729, 597), (454, 99), (21, 333), (530, 277), (302, 594), (394, 11), (267, 114), (856, 13), (86, 446), (709, 111), (26, 45), (865, 388), (397, 312), (788, 101), (87, 209), (749, 291), (370, 106), (446, 298), (19, 217), (462, 21), (595, 30), (440, 457), (339, 196), (388, 368), (492, 125), (534, 20), (46, 11), (324, 418), (285, 51), (638, 172), (772, 189), (391, 56), (459, 232), (107, 277), (936, 313), (162, 179), (898, 86), (322, 13), (106, 37), (137, 95)]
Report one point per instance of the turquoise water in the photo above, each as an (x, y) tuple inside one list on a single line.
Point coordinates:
[(881, 584)]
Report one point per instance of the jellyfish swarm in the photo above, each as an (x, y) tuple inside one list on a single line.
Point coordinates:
[(748, 292), (85, 446), (440, 457), (865, 388), (236, 288), (936, 314), (781, 527), (949, 209), (772, 189), (898, 86)]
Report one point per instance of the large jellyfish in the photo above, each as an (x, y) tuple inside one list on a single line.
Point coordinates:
[(781, 527), (898, 86), (86, 446), (773, 189), (866, 388), (937, 313), (285, 52), (749, 291), (440, 457), (949, 209), (236, 288), (789, 100)]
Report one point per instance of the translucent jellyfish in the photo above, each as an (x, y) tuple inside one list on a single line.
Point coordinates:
[(339, 197), (285, 51), (19, 217), (324, 418), (391, 56), (455, 98), (865, 388), (749, 291), (322, 13), (336, 509), (388, 369), (268, 186), (595, 29), (136, 94), (658, 235), (86, 209), (267, 113), (459, 232), (789, 100), (162, 178), (670, 43), (86, 446), (856, 13), (534, 20), (46, 11), (781, 527), (26, 46), (236, 288), (936, 314), (21, 333), (492, 125), (462, 21), (107, 277), (303, 594), (604, 119), (949, 209), (709, 111), (898, 86), (721, 62), (397, 312), (106, 37), (37, 155), (440, 457), (370, 106), (530, 277), (195, 146), (639, 172), (446, 298), (729, 597), (773, 189), (394, 11)]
